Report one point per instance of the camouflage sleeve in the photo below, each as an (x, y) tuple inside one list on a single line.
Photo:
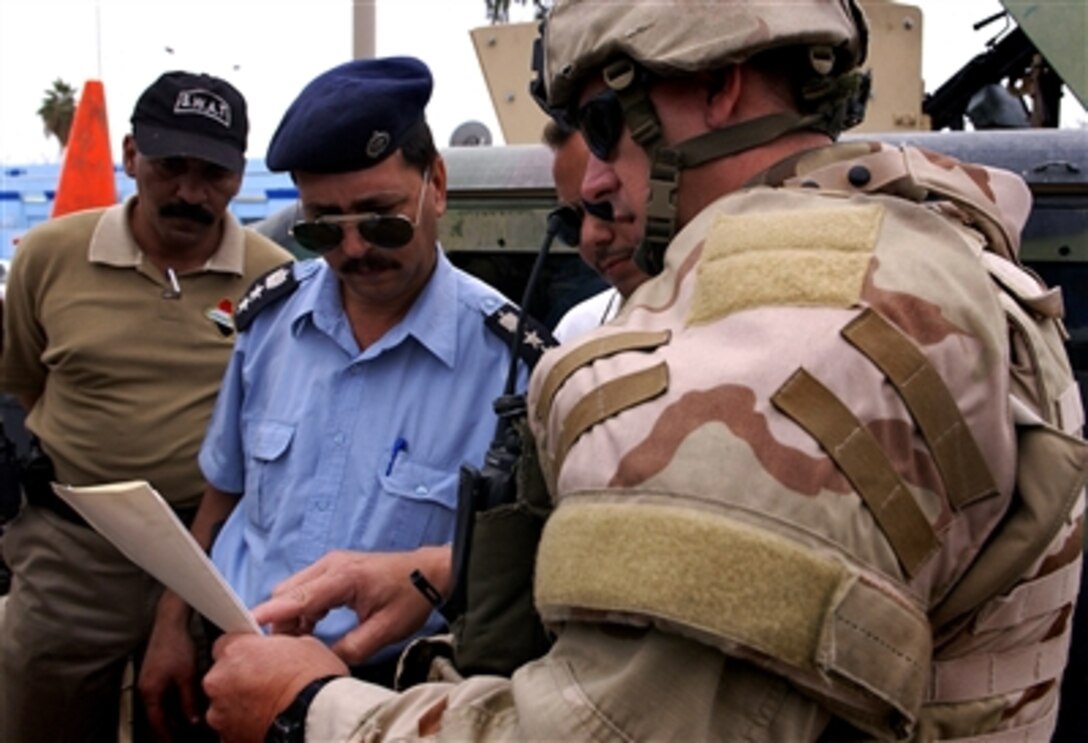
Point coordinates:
[(597, 683)]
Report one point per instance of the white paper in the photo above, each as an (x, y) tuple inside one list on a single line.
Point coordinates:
[(139, 523)]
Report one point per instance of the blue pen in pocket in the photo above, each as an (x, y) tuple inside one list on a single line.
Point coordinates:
[(398, 446)]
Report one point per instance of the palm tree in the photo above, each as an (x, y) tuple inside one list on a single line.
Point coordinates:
[(57, 111), (498, 11)]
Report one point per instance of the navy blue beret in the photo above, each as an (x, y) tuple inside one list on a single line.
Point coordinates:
[(352, 116)]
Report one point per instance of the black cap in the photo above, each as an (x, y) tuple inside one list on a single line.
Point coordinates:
[(188, 115), (352, 116)]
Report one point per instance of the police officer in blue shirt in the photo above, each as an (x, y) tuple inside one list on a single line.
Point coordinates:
[(359, 384)]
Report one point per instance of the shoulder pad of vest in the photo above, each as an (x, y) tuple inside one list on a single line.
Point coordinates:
[(535, 336), (266, 290)]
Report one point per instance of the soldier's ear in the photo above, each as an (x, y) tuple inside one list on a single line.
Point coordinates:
[(724, 90)]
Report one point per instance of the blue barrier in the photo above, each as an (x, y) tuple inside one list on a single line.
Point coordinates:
[(27, 193)]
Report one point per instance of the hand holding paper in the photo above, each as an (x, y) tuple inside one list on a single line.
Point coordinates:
[(136, 519)]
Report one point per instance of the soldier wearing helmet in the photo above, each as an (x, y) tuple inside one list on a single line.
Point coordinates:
[(620, 50), (821, 478)]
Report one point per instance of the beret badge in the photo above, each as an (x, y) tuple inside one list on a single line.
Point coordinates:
[(378, 143)]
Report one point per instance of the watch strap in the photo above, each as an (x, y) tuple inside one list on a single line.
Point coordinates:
[(290, 725)]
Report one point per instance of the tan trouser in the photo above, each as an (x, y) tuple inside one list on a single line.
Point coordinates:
[(77, 611)]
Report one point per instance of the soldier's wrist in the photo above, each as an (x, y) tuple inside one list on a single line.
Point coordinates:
[(290, 724)]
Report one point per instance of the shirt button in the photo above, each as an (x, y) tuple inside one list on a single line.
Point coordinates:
[(421, 490), (338, 439)]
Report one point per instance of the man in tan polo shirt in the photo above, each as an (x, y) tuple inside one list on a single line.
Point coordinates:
[(118, 326)]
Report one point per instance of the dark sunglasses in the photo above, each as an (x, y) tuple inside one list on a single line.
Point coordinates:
[(602, 122), (383, 230), (602, 210), (565, 222)]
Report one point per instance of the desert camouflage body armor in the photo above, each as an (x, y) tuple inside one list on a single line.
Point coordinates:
[(838, 437)]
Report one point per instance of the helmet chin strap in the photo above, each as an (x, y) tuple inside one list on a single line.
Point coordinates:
[(666, 162)]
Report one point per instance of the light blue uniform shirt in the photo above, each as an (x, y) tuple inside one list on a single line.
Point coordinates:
[(306, 428)]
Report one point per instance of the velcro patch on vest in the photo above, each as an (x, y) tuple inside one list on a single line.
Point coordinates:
[(610, 399), (731, 583), (813, 258), (964, 471), (590, 351), (858, 455)]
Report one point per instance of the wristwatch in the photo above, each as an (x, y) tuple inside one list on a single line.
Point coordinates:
[(290, 725)]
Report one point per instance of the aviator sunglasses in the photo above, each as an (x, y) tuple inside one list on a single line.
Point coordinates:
[(383, 230), (567, 219), (601, 122)]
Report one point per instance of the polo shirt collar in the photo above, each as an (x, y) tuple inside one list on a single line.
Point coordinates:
[(113, 243)]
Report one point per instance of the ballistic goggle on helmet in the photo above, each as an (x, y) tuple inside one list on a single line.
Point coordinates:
[(636, 41)]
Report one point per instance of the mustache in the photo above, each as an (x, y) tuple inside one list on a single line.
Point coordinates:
[(372, 261), (192, 212)]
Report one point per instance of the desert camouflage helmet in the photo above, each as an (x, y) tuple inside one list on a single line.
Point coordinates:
[(673, 37), (631, 42)]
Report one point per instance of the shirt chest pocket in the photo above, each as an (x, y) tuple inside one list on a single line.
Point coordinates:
[(422, 503), (267, 446)]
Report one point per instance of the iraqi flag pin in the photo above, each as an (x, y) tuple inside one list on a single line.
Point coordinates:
[(223, 317)]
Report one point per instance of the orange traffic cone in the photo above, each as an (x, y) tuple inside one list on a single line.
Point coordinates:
[(86, 177)]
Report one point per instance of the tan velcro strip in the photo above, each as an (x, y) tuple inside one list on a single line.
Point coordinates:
[(731, 583), (966, 476), (858, 454), (803, 258), (1035, 598), (986, 675), (880, 642), (590, 351), (608, 400), (1039, 729)]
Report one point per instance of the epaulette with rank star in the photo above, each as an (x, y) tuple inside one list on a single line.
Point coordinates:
[(266, 290), (535, 336)]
